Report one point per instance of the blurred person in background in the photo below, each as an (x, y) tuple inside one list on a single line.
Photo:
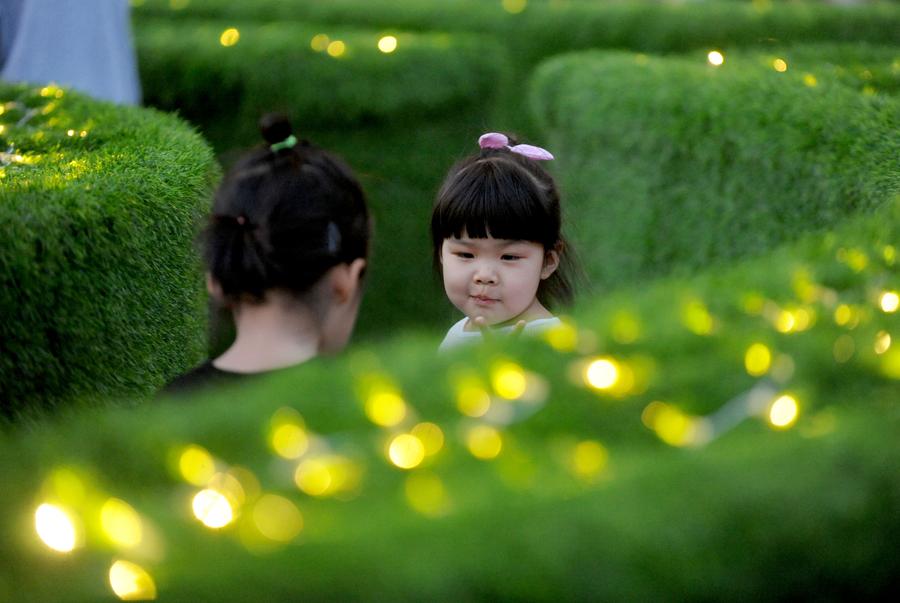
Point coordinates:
[(82, 44)]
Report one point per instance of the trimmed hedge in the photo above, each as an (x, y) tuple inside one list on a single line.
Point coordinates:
[(741, 517), (547, 28), (186, 68), (99, 281), (671, 164)]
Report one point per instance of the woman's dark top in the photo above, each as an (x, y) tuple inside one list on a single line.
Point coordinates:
[(202, 377)]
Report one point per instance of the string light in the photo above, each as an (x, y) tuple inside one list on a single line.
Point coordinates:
[(602, 373), (758, 360), (431, 436), (121, 523), (472, 399), (55, 527), (783, 412), (780, 65), (882, 342), (406, 451), (715, 58), (514, 7), (484, 442), (277, 518), (387, 44), (196, 465), (336, 49), (385, 408), (212, 509), (426, 494), (130, 582), (230, 37), (810, 80), (889, 302), (509, 381), (320, 42), (589, 459)]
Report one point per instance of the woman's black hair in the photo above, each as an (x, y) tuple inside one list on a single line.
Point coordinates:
[(500, 194), (284, 215)]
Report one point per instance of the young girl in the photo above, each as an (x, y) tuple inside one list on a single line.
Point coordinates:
[(285, 249), (496, 232)]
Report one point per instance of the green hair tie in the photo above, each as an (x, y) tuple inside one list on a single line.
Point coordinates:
[(287, 143)]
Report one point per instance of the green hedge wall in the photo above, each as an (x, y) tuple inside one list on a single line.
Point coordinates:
[(546, 28), (302, 69), (100, 284), (672, 164), (582, 500)]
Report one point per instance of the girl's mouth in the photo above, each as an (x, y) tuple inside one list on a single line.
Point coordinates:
[(483, 300)]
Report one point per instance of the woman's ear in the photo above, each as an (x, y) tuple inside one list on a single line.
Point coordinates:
[(214, 288), (346, 280), (551, 261)]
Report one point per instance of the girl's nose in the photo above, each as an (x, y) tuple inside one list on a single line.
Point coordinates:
[(485, 275)]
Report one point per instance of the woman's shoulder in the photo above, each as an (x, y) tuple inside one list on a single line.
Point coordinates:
[(200, 377)]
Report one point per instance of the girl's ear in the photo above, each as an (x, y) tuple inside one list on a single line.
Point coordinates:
[(214, 288), (346, 280), (551, 261)]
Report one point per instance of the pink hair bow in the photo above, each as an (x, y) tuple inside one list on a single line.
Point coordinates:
[(495, 140)]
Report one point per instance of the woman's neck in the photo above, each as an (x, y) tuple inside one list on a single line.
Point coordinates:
[(274, 334)]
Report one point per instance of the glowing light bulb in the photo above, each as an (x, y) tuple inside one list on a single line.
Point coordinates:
[(514, 7), (385, 408), (589, 459), (715, 58), (121, 523), (602, 373), (758, 360), (320, 42), (55, 528), (882, 342), (484, 442), (196, 465), (131, 582), (509, 380), (230, 37), (431, 436), (387, 44), (780, 65), (889, 302), (406, 451), (472, 400), (212, 509), (783, 412), (277, 518), (336, 49)]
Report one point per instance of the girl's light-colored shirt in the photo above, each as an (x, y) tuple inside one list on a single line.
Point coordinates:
[(457, 336)]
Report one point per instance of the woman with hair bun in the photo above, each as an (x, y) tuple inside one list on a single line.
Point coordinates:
[(285, 249)]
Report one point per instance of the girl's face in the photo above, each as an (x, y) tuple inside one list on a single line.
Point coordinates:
[(496, 279)]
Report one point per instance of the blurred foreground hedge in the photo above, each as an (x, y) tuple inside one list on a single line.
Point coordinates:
[(99, 280)]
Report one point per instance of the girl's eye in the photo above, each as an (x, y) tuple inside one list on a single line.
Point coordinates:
[(463, 254), (509, 257)]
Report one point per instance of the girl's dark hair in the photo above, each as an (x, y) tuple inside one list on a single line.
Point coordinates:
[(500, 194), (283, 216)]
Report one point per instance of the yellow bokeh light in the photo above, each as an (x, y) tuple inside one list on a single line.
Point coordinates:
[(626, 327), (589, 459), (783, 412), (889, 253), (387, 44), (753, 303), (882, 342), (856, 259), (602, 373), (890, 363), (472, 400), (758, 360), (431, 436), (385, 408), (484, 442), (70, 133), (406, 451), (509, 381), (212, 509), (131, 582), (696, 317), (121, 523), (673, 426), (336, 49), (426, 494), (229, 486), (55, 528), (277, 518), (230, 37), (514, 7), (196, 465), (320, 42), (785, 322), (289, 440), (562, 337), (843, 348), (715, 58), (843, 314), (810, 80), (327, 475), (889, 301), (780, 65)]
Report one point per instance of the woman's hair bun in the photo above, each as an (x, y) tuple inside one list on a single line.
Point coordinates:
[(275, 127)]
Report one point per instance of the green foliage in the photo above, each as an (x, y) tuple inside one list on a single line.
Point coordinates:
[(739, 517), (185, 67), (546, 28), (100, 284), (671, 164)]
